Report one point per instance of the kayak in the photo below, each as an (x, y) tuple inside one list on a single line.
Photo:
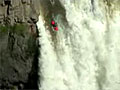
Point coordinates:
[(54, 25)]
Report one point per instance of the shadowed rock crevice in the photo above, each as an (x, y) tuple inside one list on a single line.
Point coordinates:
[(8, 3)]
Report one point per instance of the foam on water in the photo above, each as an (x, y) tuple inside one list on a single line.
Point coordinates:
[(86, 53)]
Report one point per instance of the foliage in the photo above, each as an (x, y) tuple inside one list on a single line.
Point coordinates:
[(17, 28)]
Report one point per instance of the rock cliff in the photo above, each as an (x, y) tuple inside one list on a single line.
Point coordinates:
[(18, 44)]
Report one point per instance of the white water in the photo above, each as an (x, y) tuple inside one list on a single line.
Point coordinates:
[(85, 54)]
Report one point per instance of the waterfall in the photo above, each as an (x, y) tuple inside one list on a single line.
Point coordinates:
[(84, 54)]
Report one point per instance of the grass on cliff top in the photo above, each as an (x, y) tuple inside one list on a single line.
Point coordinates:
[(17, 28)]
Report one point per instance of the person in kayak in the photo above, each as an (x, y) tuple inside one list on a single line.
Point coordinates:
[(54, 24)]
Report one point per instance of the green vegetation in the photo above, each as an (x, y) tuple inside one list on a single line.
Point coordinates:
[(17, 28), (3, 28)]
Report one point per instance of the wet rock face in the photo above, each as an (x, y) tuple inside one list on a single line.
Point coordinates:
[(18, 47)]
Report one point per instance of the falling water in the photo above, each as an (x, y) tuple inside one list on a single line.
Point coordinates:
[(85, 53)]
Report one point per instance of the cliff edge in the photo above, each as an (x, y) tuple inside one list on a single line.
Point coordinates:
[(18, 44)]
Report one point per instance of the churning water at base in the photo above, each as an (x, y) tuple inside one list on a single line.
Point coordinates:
[(85, 53)]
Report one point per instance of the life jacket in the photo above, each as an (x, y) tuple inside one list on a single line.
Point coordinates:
[(52, 22), (56, 28)]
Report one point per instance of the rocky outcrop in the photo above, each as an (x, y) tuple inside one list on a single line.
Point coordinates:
[(18, 44), (17, 11)]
